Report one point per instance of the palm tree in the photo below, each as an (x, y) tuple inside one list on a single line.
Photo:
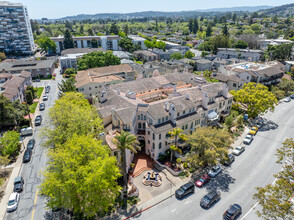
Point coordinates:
[(123, 141), (176, 134)]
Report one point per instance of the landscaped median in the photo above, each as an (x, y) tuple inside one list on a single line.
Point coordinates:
[(39, 91)]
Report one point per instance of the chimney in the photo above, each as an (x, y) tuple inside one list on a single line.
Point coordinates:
[(175, 88), (103, 97), (225, 90), (166, 106), (187, 96), (172, 112)]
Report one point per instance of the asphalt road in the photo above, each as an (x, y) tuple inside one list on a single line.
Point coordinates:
[(31, 205), (254, 167)]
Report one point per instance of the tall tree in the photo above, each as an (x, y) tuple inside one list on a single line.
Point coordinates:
[(125, 141), (225, 30), (47, 44), (68, 25), (94, 43), (114, 29), (71, 114), (67, 86), (234, 17), (255, 99), (81, 176), (81, 29), (190, 25), (275, 199), (208, 30), (195, 26), (126, 44), (176, 134), (68, 40), (126, 29), (208, 145)]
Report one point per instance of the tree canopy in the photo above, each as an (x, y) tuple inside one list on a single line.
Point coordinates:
[(189, 54), (97, 59), (280, 52), (67, 85), (208, 145), (71, 114), (9, 143), (240, 44), (68, 40), (274, 199), (47, 44), (255, 99), (176, 56), (126, 44), (81, 176), (2, 56)]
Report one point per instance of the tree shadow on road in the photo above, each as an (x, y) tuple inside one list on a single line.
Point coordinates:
[(221, 182), (134, 212)]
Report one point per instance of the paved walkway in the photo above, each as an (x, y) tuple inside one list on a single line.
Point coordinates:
[(142, 163)]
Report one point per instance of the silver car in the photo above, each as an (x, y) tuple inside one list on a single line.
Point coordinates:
[(248, 139), (13, 202), (287, 99), (215, 171), (238, 150)]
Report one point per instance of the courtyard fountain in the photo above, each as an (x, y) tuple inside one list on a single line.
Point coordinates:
[(152, 179)]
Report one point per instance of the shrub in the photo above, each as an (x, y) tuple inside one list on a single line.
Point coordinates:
[(162, 157), (9, 143), (179, 160), (185, 165)]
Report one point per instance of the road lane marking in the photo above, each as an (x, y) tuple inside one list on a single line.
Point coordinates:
[(35, 202)]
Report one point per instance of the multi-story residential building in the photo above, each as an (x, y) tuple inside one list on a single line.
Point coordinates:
[(106, 42), (146, 55), (14, 88), (265, 42), (203, 64), (38, 68), (90, 81), (268, 73), (138, 41), (244, 54), (16, 35), (151, 107)]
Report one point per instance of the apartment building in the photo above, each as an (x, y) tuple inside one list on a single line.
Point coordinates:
[(244, 54), (90, 81), (109, 42), (151, 107), (138, 41), (16, 35), (145, 55), (269, 73)]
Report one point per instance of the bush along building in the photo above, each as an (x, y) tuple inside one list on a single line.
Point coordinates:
[(151, 107)]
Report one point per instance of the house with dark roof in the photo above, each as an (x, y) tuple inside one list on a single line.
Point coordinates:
[(151, 107)]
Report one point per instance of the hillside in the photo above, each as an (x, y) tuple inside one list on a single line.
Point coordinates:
[(280, 11), (150, 14)]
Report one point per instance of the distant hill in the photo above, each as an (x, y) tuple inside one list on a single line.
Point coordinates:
[(144, 14), (281, 11)]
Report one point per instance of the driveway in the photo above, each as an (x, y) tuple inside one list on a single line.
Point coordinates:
[(254, 167)]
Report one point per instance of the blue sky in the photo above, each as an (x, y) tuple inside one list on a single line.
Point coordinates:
[(62, 8)]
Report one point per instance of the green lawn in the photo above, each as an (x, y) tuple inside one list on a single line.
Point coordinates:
[(33, 107), (39, 92)]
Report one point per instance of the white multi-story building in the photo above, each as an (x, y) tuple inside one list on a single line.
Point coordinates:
[(15, 29)]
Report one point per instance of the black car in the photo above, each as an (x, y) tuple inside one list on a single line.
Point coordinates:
[(230, 161), (292, 96), (208, 200), (38, 120), (42, 106), (27, 156), (233, 212), (185, 190), (47, 90), (38, 80), (31, 144), (18, 184)]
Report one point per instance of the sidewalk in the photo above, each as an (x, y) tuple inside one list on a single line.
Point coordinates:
[(16, 168)]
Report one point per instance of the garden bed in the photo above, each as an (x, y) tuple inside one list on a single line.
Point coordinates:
[(39, 91), (33, 107)]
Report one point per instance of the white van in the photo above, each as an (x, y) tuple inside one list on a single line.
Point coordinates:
[(26, 131)]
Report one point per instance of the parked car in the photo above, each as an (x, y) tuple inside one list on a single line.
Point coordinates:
[(31, 144), (26, 131), (211, 198), (45, 98), (233, 212), (202, 180), (38, 120), (42, 106), (13, 202), (287, 99), (18, 184), (253, 130), (27, 156), (185, 190), (238, 150), (248, 139), (215, 171), (230, 161), (292, 96), (47, 90)]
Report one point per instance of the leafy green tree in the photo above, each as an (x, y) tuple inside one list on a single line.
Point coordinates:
[(81, 176), (150, 44), (190, 25), (274, 199), (225, 30), (47, 44), (71, 114), (125, 141), (9, 143), (94, 43), (287, 86), (205, 46), (81, 29), (240, 44), (195, 26), (67, 86), (68, 40), (126, 29), (68, 25), (208, 145), (114, 29), (280, 52), (160, 44), (255, 99), (176, 56), (209, 30), (90, 32), (234, 17), (29, 96), (121, 34), (176, 134), (126, 44), (189, 54), (2, 56), (256, 28), (219, 41), (97, 59)]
